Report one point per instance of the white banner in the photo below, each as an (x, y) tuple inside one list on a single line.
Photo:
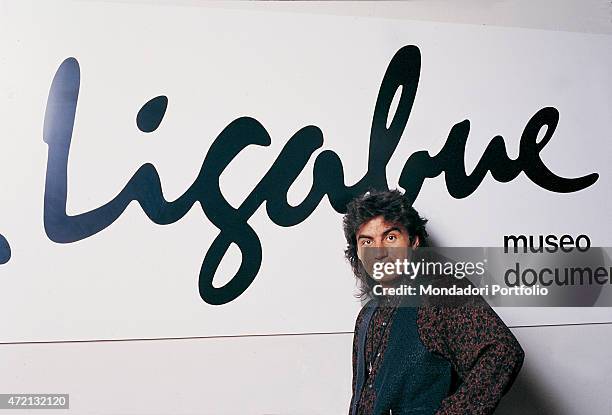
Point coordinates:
[(143, 146)]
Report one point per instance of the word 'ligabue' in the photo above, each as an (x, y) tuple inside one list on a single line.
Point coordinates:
[(328, 174)]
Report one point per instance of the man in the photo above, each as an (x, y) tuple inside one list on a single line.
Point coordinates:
[(420, 359)]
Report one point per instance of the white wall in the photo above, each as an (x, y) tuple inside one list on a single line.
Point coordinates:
[(271, 55), (566, 371)]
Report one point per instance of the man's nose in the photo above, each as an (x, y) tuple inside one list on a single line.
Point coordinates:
[(380, 252)]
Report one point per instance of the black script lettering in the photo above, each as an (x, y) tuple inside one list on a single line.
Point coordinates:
[(450, 160), (145, 187)]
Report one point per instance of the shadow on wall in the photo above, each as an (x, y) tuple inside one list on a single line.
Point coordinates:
[(529, 396)]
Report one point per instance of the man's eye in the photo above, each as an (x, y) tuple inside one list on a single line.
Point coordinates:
[(392, 237), (365, 242)]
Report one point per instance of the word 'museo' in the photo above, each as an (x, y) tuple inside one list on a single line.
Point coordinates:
[(328, 174), (549, 243)]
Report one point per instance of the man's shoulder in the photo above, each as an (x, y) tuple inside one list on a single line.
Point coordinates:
[(364, 307)]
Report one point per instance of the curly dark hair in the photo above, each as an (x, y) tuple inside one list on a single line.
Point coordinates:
[(395, 208)]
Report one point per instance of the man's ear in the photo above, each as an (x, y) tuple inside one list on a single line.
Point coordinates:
[(416, 242)]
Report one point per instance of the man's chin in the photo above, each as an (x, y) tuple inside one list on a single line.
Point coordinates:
[(388, 280)]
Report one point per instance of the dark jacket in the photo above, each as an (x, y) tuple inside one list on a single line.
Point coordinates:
[(438, 360)]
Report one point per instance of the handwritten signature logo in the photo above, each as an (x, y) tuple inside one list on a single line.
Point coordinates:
[(328, 174)]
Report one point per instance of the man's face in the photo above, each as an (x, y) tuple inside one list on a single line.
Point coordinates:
[(382, 241)]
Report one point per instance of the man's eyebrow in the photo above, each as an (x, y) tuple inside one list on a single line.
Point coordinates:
[(386, 231), (394, 228)]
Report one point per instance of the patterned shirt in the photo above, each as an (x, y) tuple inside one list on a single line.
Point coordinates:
[(484, 354)]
